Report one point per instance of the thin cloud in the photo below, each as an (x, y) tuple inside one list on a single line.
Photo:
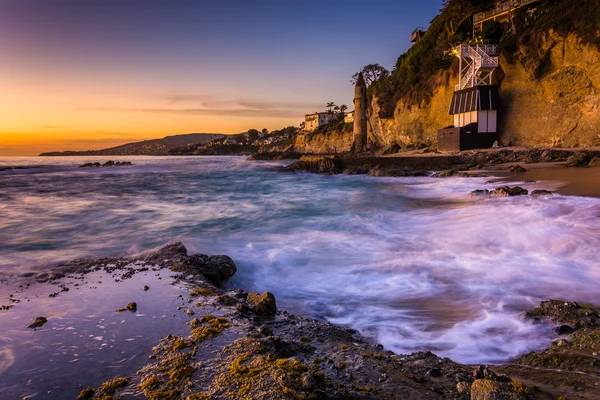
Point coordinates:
[(239, 112), (48, 126)]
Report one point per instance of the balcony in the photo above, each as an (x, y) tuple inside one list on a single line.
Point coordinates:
[(501, 8), (418, 33)]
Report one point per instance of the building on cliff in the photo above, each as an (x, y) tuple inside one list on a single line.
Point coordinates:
[(360, 115), (475, 101), (317, 119), (349, 117), (502, 12)]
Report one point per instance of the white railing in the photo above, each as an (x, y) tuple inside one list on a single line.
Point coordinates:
[(477, 58)]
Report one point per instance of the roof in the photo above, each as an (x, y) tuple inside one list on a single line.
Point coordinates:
[(320, 113), (477, 98)]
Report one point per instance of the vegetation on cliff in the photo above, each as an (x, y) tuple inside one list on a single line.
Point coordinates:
[(417, 72)]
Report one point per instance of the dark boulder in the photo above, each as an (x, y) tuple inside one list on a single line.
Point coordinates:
[(516, 169), (577, 159), (541, 192), (507, 191), (480, 193), (262, 304)]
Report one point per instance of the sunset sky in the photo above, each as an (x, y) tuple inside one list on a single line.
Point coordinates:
[(90, 74)]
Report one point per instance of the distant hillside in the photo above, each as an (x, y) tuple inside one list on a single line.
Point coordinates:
[(154, 147)]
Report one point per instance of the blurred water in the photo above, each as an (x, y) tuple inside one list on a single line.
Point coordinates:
[(414, 263)]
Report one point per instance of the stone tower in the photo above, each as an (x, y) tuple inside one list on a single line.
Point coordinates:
[(360, 115)]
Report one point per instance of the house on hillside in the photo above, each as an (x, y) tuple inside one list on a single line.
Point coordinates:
[(317, 119), (349, 118)]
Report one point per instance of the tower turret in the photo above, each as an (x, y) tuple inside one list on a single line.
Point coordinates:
[(360, 115)]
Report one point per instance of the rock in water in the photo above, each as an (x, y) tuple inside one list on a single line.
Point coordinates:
[(263, 304), (507, 191), (480, 193), (516, 169), (130, 307), (39, 321), (219, 268), (541, 192)]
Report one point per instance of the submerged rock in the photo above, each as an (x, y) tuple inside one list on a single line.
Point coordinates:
[(507, 191), (39, 321), (130, 307), (541, 192), (480, 193), (263, 304), (86, 394)]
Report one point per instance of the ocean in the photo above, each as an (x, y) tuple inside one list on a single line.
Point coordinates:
[(412, 263)]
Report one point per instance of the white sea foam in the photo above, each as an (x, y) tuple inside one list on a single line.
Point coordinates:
[(414, 263)]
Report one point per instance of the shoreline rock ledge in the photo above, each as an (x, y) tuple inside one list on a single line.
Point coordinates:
[(239, 345)]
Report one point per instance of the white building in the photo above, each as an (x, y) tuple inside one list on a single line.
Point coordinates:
[(349, 118), (313, 121)]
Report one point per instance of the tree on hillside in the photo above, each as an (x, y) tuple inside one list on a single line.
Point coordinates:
[(343, 109), (330, 105), (265, 131), (371, 73), (252, 135)]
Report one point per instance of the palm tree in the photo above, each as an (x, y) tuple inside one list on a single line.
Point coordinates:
[(330, 105)]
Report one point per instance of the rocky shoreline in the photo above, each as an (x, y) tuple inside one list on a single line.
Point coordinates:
[(241, 346), (464, 164)]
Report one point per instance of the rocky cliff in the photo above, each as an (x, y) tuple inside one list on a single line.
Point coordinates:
[(550, 97)]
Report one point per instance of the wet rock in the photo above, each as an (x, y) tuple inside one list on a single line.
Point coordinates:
[(262, 304), (564, 330), (169, 251), (480, 193), (312, 381), (90, 165), (507, 191), (109, 163), (38, 322), (516, 169), (562, 343), (451, 173), (577, 159), (594, 162), (265, 331), (130, 307), (541, 192), (330, 165), (567, 312), (529, 181), (218, 268), (463, 387), (226, 300), (86, 394), (434, 373), (357, 170), (396, 172), (487, 389), (146, 287)]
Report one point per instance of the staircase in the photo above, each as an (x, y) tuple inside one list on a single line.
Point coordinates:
[(476, 65)]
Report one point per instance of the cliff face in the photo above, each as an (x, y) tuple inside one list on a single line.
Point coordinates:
[(550, 94), (551, 98)]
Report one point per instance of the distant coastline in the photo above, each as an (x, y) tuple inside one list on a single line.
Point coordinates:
[(153, 147)]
